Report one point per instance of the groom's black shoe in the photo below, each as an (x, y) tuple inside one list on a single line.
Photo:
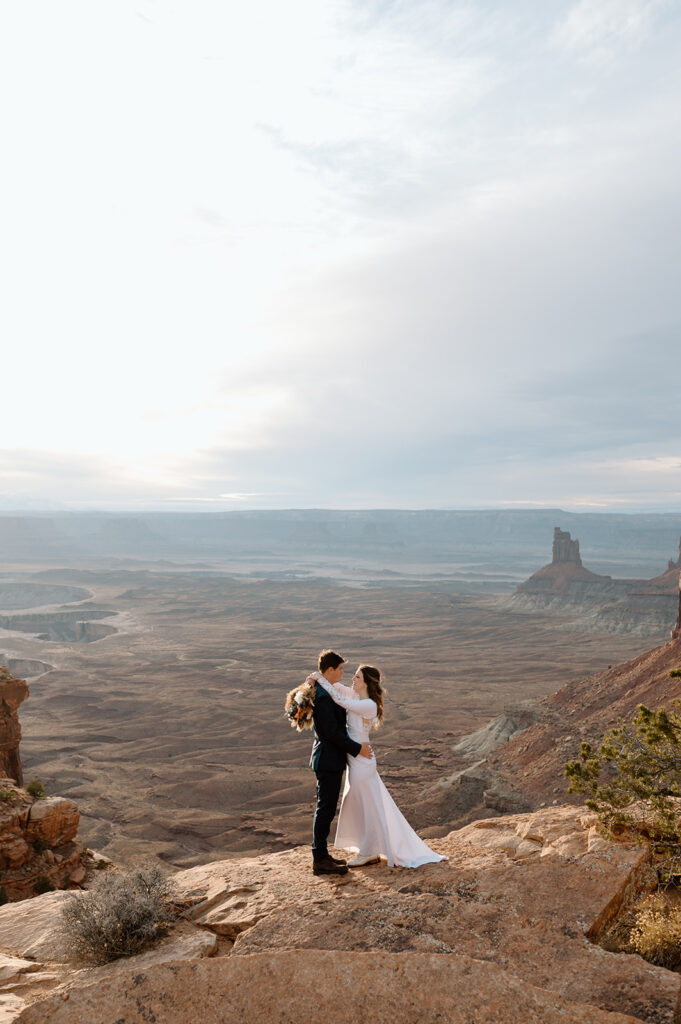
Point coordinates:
[(329, 866), (337, 860)]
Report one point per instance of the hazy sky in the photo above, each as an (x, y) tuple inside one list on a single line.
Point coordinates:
[(404, 253)]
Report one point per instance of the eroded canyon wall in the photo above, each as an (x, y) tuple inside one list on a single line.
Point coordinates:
[(12, 692)]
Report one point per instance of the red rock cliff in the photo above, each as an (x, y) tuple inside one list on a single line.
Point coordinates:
[(676, 631), (12, 692)]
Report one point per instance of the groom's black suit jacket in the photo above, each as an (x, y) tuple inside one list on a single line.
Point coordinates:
[(331, 740)]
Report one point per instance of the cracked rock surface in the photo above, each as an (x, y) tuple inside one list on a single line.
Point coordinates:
[(505, 930)]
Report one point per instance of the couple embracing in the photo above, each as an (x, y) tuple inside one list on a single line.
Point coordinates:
[(369, 823)]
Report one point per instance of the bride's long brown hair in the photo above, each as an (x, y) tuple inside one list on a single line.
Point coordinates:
[(372, 679)]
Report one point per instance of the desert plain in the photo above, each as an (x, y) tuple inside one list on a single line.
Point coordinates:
[(161, 715)]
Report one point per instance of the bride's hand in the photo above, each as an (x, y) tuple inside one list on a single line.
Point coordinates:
[(311, 678)]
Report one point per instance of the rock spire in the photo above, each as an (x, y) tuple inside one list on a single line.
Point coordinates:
[(564, 548), (671, 564)]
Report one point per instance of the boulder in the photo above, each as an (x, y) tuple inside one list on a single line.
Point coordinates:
[(29, 929), (54, 819)]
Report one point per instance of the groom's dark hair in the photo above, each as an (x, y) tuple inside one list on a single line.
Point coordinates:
[(329, 659)]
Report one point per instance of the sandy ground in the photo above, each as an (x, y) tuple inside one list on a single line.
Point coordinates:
[(170, 734)]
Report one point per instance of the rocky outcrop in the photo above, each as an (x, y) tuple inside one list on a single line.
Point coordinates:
[(676, 631), (38, 837), (515, 719), (506, 929), (603, 604), (565, 580), (38, 842), (12, 692)]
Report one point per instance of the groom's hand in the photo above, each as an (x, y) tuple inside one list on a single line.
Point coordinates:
[(366, 751)]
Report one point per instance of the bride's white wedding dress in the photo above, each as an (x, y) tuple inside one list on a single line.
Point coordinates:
[(370, 822)]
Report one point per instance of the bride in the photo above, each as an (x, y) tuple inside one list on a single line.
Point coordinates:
[(369, 821)]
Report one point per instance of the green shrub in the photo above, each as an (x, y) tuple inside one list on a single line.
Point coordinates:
[(633, 778), (675, 673), (43, 885), (8, 796), (36, 789), (121, 915), (4, 898)]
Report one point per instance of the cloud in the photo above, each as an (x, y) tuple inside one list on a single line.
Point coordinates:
[(596, 30), (387, 253)]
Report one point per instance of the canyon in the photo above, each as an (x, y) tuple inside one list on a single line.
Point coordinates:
[(163, 737), (170, 736)]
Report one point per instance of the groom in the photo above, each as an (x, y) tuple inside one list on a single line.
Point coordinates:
[(328, 759)]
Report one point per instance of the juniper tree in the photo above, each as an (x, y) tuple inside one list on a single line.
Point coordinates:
[(633, 777)]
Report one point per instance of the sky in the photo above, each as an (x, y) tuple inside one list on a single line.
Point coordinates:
[(341, 254)]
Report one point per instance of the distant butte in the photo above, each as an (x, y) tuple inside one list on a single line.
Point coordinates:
[(565, 569), (605, 604), (566, 564)]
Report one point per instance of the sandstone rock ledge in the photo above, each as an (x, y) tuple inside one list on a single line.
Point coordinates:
[(504, 931), (383, 988), (38, 840)]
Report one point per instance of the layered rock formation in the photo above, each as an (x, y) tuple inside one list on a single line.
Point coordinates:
[(506, 930), (24, 667), (565, 579), (38, 837), (38, 843), (604, 604), (12, 692), (62, 626)]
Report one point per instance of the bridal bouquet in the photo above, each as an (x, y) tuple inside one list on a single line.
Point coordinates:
[(300, 705)]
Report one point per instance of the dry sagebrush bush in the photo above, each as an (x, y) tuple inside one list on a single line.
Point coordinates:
[(657, 932), (124, 913)]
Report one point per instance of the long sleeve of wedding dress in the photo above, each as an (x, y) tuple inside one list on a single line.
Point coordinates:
[(366, 707)]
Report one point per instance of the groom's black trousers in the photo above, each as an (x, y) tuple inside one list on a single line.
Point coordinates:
[(328, 791)]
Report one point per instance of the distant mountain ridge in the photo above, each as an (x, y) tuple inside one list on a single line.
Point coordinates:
[(513, 538)]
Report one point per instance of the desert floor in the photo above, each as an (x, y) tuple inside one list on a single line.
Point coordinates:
[(170, 733)]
